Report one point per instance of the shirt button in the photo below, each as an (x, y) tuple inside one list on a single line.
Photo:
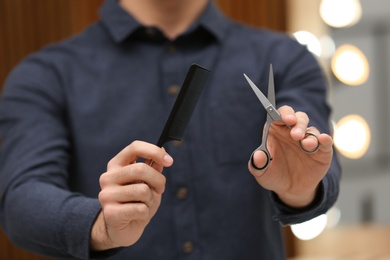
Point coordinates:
[(182, 193), (188, 247), (173, 90), (177, 144), (171, 49)]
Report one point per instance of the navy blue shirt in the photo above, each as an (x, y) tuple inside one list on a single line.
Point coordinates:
[(69, 108)]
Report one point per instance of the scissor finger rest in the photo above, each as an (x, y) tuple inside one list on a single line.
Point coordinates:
[(315, 149)]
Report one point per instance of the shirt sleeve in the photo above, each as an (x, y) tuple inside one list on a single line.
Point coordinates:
[(326, 196), (301, 84), (38, 211)]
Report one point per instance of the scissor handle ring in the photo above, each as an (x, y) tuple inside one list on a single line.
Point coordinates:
[(269, 159), (315, 149)]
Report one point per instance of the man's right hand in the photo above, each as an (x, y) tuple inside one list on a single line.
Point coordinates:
[(130, 195)]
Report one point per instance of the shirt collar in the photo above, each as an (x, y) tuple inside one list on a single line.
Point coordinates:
[(214, 21), (121, 24)]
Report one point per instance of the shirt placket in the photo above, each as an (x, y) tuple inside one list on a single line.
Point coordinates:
[(173, 70)]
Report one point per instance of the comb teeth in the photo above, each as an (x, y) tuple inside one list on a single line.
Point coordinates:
[(185, 104)]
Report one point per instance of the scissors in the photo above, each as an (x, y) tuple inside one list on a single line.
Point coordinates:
[(272, 115)]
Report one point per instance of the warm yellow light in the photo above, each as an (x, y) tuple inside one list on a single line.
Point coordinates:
[(352, 136), (309, 40), (350, 65), (310, 229), (340, 13)]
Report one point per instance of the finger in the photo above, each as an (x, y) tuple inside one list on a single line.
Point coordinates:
[(139, 149), (155, 165), (138, 192), (288, 115), (326, 142), (258, 162), (310, 144), (134, 173), (122, 213), (298, 132)]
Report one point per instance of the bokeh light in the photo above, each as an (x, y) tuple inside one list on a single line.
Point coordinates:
[(352, 136), (350, 65), (309, 40), (328, 47), (341, 13), (310, 229)]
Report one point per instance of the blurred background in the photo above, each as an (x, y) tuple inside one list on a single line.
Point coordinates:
[(351, 40)]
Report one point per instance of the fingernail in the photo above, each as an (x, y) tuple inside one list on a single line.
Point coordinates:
[(298, 131), (168, 159)]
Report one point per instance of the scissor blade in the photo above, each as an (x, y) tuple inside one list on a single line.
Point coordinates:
[(271, 86), (273, 114), (263, 99)]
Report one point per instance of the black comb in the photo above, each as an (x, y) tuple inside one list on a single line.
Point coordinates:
[(185, 103)]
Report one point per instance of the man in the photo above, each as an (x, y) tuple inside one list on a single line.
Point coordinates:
[(79, 121)]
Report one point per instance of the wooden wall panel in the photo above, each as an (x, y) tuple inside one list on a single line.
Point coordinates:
[(27, 25), (262, 13), (10, 252)]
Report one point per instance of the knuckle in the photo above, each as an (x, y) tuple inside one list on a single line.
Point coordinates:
[(286, 108), (120, 175), (142, 210), (144, 190), (138, 192), (302, 114), (104, 180), (139, 210), (136, 142), (110, 163), (103, 197), (315, 130), (163, 180), (137, 168), (110, 212), (130, 193)]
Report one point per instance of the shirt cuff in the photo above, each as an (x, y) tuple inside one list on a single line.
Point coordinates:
[(287, 215), (105, 254)]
